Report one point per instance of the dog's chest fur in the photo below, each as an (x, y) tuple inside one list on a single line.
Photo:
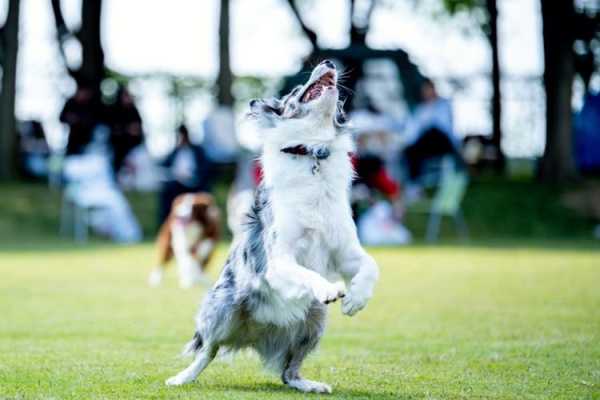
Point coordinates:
[(316, 203), (185, 235)]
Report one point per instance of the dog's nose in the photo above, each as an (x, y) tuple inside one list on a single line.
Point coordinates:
[(253, 102), (329, 64)]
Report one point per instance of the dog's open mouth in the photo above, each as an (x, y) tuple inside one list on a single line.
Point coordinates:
[(315, 90)]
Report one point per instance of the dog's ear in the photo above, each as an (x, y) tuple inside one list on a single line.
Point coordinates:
[(265, 111)]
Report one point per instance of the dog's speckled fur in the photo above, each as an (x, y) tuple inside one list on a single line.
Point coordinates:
[(299, 241)]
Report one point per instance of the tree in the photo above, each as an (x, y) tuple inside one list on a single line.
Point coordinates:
[(359, 27), (558, 18), (225, 76), (353, 56), (92, 69), (490, 29), (9, 44)]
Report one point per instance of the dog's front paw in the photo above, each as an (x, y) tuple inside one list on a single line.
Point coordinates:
[(354, 302), (155, 278), (180, 379), (326, 292)]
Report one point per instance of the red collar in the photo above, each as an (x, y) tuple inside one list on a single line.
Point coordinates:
[(301, 150)]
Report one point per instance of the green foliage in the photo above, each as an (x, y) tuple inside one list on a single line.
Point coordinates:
[(445, 323), (494, 209)]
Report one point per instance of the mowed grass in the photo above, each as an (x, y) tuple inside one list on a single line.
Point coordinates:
[(445, 323)]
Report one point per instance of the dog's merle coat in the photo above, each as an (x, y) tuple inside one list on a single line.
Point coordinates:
[(299, 236)]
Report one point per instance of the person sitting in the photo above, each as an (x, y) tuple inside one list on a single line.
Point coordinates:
[(430, 134), (187, 171)]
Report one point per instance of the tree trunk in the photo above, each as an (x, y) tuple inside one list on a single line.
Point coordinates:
[(309, 33), (225, 77), (8, 129), (558, 163), (91, 71), (492, 35)]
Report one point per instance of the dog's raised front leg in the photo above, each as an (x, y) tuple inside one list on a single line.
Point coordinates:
[(293, 281), (360, 273)]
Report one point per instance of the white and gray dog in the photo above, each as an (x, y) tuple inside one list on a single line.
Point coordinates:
[(299, 239)]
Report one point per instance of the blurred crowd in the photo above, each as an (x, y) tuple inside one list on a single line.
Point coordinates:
[(396, 161)]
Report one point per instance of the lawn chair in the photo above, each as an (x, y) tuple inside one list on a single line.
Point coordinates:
[(448, 185), (447, 199)]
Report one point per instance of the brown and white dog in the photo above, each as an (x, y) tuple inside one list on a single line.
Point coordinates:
[(189, 234)]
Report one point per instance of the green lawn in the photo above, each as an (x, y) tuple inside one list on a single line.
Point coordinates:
[(473, 322)]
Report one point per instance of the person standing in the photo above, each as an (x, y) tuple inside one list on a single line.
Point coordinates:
[(82, 112), (125, 125)]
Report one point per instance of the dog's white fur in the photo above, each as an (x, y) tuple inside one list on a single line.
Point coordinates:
[(309, 239)]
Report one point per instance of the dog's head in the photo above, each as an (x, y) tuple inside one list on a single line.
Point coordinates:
[(306, 112), (198, 207)]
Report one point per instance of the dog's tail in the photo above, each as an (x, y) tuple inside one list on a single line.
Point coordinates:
[(193, 345)]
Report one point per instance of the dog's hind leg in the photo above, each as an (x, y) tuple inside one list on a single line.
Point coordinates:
[(203, 357), (306, 341)]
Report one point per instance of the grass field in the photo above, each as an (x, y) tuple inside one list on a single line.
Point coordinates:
[(516, 321)]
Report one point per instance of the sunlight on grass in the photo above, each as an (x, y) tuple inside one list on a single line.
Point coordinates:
[(455, 322)]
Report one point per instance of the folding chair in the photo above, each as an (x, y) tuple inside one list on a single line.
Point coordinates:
[(447, 200), (75, 214)]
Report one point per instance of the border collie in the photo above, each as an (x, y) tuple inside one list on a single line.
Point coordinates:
[(298, 245)]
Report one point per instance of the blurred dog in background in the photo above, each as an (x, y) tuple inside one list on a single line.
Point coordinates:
[(190, 235)]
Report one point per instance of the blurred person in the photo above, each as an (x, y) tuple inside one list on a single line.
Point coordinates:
[(220, 142), (377, 202), (374, 157), (90, 185), (429, 133), (82, 113), (33, 148), (126, 127), (587, 134), (188, 170)]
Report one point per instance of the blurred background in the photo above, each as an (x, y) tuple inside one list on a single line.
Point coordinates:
[(475, 119)]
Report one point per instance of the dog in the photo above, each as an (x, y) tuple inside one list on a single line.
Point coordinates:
[(299, 241), (189, 234)]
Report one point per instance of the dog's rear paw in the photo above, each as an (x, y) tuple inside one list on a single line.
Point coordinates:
[(329, 292), (177, 380), (304, 385)]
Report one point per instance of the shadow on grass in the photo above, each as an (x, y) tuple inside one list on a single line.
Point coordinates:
[(274, 388)]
